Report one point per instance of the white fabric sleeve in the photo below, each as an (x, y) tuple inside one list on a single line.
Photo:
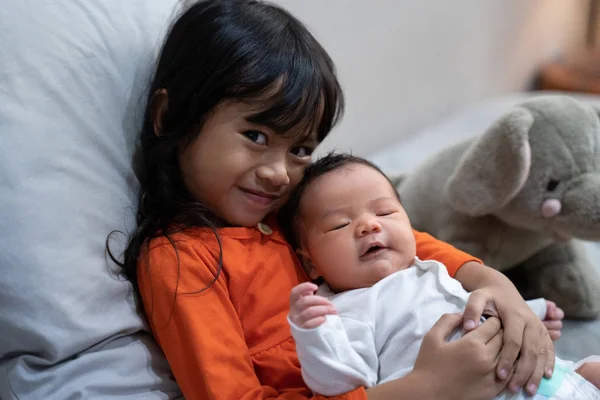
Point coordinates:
[(337, 357), (539, 307)]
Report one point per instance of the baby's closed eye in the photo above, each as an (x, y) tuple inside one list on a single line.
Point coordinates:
[(338, 226), (385, 213)]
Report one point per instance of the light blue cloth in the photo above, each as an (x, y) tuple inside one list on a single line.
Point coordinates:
[(548, 387)]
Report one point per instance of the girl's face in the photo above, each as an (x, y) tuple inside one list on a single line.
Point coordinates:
[(242, 171)]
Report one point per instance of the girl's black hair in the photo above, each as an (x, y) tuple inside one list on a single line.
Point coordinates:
[(290, 212), (240, 50)]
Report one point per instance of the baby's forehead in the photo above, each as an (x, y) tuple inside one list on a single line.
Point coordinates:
[(335, 190)]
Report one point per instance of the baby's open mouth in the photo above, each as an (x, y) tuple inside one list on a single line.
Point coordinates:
[(373, 249)]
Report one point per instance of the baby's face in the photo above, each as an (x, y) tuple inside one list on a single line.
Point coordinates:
[(353, 229)]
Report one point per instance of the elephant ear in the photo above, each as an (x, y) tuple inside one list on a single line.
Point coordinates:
[(494, 168)]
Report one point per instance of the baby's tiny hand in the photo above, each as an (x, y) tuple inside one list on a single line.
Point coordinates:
[(308, 310), (553, 320)]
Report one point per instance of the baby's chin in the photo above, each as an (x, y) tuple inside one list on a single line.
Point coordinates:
[(384, 268), (389, 265)]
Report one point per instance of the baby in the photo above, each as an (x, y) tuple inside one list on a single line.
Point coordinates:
[(350, 230)]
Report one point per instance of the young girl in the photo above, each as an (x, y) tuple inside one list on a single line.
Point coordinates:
[(241, 96)]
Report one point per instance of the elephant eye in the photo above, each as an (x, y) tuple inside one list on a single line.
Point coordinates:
[(552, 185)]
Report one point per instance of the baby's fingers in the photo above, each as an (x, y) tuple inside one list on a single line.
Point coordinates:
[(301, 290), (313, 323), (305, 302), (312, 317), (554, 328)]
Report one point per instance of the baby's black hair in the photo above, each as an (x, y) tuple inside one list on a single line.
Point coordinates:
[(224, 50), (290, 212)]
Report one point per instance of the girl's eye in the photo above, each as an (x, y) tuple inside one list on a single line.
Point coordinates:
[(256, 137), (385, 213), (340, 226), (302, 151)]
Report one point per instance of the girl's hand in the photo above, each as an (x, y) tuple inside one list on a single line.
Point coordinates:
[(527, 348), (552, 319), (465, 368), (308, 310)]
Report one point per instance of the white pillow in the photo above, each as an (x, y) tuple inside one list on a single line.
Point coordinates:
[(72, 75)]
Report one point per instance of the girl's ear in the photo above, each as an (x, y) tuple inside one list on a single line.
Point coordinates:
[(159, 104), (306, 262)]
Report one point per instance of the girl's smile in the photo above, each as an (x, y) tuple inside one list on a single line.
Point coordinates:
[(252, 177), (261, 199)]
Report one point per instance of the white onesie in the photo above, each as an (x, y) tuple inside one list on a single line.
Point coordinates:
[(377, 333)]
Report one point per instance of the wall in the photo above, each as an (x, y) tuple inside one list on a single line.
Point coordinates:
[(406, 63)]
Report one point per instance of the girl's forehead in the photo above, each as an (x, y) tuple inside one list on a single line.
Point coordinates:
[(254, 113), (285, 107), (237, 116)]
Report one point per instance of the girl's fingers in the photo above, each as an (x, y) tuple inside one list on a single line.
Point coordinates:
[(486, 331), (544, 364), (527, 371), (444, 327), (495, 344), (550, 358), (474, 309), (538, 372), (513, 338)]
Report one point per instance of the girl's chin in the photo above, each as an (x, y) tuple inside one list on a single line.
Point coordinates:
[(248, 221)]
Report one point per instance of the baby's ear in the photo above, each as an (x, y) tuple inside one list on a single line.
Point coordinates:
[(306, 262)]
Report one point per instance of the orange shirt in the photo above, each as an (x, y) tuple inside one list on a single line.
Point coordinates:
[(225, 334)]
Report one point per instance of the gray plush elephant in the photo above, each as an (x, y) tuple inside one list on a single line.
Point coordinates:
[(518, 197)]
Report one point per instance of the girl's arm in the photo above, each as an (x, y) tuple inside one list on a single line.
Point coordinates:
[(524, 333), (200, 333), (429, 248)]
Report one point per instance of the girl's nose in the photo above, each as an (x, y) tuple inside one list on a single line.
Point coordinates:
[(275, 173)]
